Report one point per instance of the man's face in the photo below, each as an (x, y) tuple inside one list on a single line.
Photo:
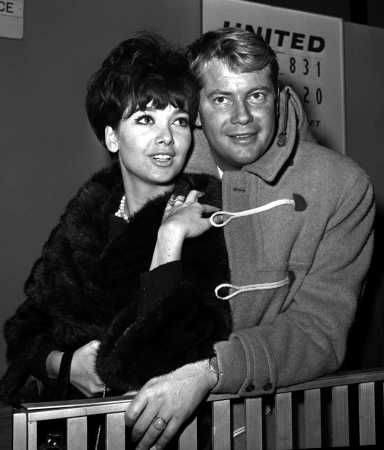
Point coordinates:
[(237, 113)]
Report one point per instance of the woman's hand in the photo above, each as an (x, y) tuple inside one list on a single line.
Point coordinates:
[(164, 403), (184, 215), (83, 370), (183, 218)]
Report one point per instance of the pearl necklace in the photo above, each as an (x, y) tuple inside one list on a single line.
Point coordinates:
[(121, 212)]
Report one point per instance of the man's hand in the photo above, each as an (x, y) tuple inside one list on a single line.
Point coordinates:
[(164, 403), (83, 370)]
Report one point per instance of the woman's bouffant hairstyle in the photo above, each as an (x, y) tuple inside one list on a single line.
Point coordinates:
[(140, 70), (240, 50)]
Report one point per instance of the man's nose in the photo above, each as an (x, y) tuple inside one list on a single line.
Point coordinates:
[(165, 136), (240, 113)]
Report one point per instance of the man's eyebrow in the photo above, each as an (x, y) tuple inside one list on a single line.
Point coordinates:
[(218, 92), (261, 88), (265, 88)]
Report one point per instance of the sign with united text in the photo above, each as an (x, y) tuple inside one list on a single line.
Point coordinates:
[(309, 49)]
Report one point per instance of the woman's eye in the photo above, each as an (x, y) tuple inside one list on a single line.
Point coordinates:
[(182, 121), (144, 119), (257, 97)]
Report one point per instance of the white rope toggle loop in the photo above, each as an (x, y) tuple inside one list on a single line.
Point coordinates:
[(249, 287), (247, 212)]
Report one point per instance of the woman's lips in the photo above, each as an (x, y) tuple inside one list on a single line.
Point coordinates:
[(162, 159)]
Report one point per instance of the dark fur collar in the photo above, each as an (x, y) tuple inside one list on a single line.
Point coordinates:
[(67, 292)]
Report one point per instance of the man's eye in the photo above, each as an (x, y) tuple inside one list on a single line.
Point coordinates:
[(220, 100), (257, 97), (182, 121), (144, 119)]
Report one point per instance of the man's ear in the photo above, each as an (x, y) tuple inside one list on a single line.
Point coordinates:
[(111, 139)]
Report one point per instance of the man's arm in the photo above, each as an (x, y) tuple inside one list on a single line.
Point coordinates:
[(307, 339)]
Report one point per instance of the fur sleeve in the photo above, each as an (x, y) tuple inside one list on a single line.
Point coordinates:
[(178, 318), (176, 330), (58, 312)]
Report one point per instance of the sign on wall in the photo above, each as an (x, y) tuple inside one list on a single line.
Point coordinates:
[(11, 18), (309, 49)]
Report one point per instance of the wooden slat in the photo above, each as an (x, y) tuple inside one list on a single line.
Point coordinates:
[(312, 418), (77, 433), (115, 431), (20, 431), (339, 416), (254, 423), (367, 420), (58, 410), (339, 379), (222, 425), (284, 434), (32, 435), (188, 439), (81, 403)]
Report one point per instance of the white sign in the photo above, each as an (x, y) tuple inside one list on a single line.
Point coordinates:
[(309, 49), (11, 18)]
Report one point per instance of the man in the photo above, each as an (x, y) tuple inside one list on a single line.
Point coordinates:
[(311, 257)]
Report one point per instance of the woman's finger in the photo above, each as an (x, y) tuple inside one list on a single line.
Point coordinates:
[(180, 199), (193, 196), (208, 209)]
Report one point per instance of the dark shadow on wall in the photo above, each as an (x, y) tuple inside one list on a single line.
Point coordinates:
[(365, 348)]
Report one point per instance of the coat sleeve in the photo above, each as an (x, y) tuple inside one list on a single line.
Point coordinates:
[(177, 322), (50, 316), (27, 332), (308, 338)]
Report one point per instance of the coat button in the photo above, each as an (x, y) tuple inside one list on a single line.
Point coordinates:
[(250, 387), (267, 386)]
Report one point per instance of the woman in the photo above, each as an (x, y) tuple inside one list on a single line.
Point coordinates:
[(124, 288)]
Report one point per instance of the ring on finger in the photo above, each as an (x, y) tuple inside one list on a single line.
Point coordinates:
[(180, 198), (159, 423)]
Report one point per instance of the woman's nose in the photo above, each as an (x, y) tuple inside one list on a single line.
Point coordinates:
[(165, 136), (240, 113)]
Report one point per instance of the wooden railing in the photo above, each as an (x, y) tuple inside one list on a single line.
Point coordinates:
[(344, 410)]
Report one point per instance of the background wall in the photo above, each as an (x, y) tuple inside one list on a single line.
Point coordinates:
[(47, 147)]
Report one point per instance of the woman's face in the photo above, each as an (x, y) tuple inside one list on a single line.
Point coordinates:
[(153, 145)]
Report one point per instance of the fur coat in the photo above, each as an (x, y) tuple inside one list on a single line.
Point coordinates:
[(92, 282)]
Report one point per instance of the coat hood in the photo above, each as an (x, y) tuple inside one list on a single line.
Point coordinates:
[(293, 126)]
